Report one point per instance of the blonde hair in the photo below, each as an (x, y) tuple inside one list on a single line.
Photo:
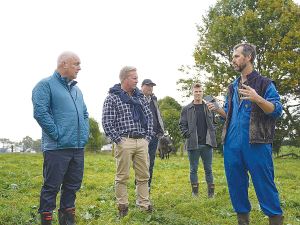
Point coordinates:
[(124, 73)]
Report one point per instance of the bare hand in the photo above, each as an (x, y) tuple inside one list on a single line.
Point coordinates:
[(250, 94), (211, 106), (122, 141)]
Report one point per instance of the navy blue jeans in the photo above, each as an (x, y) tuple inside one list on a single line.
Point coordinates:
[(206, 153), (62, 170), (152, 153)]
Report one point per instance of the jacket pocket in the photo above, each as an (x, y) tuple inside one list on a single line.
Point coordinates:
[(261, 126), (49, 143)]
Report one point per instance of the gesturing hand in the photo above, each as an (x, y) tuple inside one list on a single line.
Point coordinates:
[(250, 94)]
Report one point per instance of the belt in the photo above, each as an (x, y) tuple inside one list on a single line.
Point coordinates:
[(134, 136)]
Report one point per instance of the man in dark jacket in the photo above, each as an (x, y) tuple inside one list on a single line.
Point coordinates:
[(158, 126), (61, 112), (197, 124), (251, 107)]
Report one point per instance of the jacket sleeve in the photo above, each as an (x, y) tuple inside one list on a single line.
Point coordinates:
[(160, 127), (109, 116), (86, 118), (225, 108), (41, 100), (183, 124), (149, 132), (272, 96)]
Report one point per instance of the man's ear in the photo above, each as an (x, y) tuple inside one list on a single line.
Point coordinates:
[(249, 57)]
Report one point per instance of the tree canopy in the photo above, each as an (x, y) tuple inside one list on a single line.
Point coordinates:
[(274, 27), (170, 110), (27, 143), (94, 141)]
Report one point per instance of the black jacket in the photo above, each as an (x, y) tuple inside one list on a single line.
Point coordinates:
[(188, 126)]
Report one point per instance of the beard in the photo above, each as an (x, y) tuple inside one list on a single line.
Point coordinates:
[(241, 67)]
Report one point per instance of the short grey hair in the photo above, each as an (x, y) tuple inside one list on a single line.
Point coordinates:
[(124, 73), (197, 85), (64, 56), (248, 49)]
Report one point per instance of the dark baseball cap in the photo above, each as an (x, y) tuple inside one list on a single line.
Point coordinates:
[(148, 81)]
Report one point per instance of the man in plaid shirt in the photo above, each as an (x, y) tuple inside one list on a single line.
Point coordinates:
[(127, 120)]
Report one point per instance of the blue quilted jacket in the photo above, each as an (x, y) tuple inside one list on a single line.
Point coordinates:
[(60, 111)]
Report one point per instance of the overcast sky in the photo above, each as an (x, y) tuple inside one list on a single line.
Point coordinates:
[(156, 37)]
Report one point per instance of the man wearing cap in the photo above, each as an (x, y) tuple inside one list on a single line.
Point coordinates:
[(158, 126)]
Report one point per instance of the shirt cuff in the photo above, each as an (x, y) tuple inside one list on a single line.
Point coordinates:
[(148, 138), (222, 119), (117, 140), (277, 111)]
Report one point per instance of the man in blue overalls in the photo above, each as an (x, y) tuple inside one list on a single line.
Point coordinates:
[(251, 107)]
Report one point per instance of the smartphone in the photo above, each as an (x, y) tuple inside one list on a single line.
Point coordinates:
[(208, 98)]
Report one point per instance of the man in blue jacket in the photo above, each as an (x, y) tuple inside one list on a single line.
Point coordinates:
[(62, 114), (251, 107)]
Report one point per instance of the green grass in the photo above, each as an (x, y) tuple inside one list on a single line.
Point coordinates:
[(21, 181)]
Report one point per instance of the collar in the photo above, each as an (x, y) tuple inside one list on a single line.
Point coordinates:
[(64, 80), (250, 77)]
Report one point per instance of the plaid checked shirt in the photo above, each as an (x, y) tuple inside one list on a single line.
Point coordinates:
[(117, 118)]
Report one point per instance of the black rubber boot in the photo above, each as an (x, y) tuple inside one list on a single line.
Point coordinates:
[(66, 217), (276, 220), (243, 218), (46, 218), (211, 190), (195, 187)]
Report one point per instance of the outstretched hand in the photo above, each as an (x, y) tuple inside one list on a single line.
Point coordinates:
[(219, 110), (211, 106), (250, 94)]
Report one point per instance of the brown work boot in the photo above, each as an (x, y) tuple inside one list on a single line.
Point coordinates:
[(276, 220), (123, 210), (211, 190), (195, 188), (149, 209), (243, 218)]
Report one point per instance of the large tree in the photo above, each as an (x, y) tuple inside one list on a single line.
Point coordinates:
[(274, 27), (37, 145), (170, 111), (94, 141), (27, 143), (4, 141)]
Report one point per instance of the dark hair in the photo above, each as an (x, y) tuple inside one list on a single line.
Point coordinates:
[(248, 49)]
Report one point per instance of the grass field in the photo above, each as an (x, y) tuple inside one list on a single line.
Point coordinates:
[(21, 181)]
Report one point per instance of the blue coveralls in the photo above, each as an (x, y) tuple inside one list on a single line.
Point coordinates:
[(240, 157)]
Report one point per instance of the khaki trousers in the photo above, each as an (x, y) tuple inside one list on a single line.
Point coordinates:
[(135, 150)]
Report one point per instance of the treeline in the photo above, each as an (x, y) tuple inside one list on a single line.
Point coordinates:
[(273, 27)]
